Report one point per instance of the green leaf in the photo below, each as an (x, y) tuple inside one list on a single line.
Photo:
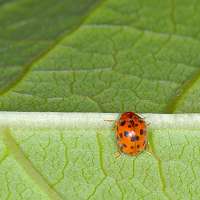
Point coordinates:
[(31, 29), (108, 56), (61, 156), (99, 56)]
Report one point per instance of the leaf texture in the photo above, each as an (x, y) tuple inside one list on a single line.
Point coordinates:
[(121, 55), (71, 156)]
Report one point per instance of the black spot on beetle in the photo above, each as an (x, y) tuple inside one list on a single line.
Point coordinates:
[(132, 122), (126, 133), (124, 145), (122, 122), (132, 147), (134, 138), (138, 146), (141, 131), (120, 135)]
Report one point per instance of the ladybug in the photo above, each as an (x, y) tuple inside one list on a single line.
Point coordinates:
[(131, 133)]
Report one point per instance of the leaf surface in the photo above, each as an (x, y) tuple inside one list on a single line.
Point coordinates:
[(71, 156), (125, 55), (30, 29), (99, 56)]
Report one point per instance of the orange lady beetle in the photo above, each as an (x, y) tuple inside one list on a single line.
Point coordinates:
[(131, 133)]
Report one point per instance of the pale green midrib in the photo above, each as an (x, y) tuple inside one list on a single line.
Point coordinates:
[(172, 105), (27, 67), (28, 167), (94, 120)]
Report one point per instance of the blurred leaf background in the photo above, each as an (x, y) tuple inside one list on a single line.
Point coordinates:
[(100, 56)]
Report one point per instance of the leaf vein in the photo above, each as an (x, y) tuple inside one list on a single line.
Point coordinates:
[(159, 163), (148, 31), (28, 167)]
